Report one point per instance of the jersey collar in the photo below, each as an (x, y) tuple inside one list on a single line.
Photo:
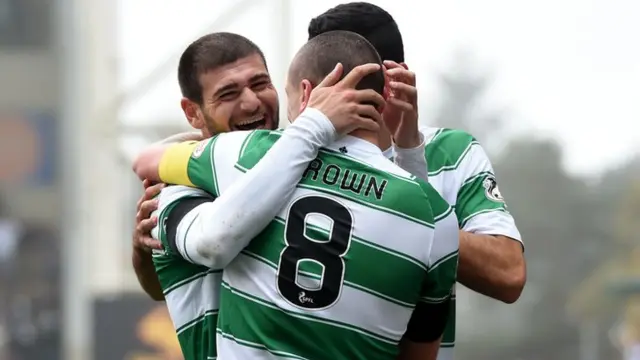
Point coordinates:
[(353, 145)]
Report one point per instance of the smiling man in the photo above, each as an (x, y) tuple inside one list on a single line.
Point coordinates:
[(226, 90)]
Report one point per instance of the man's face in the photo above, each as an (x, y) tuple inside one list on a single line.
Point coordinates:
[(236, 96)]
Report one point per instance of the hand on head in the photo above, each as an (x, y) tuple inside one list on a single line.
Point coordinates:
[(401, 113), (347, 108)]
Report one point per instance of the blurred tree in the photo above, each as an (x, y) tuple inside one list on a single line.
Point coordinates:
[(567, 224), (463, 88)]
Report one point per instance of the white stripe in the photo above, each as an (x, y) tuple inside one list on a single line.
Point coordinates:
[(172, 193), (446, 240), (381, 228), (354, 307), (225, 157), (448, 182), (230, 348), (494, 222), (194, 299)]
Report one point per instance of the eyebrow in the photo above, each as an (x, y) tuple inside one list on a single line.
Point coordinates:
[(233, 86)]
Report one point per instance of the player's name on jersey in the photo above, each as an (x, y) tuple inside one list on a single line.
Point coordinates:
[(330, 173)]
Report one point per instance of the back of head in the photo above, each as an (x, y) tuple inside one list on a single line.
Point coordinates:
[(368, 20), (209, 52), (319, 56)]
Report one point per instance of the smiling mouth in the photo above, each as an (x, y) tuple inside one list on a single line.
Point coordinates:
[(254, 124)]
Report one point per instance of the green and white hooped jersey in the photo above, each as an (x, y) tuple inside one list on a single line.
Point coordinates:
[(336, 275), (460, 170)]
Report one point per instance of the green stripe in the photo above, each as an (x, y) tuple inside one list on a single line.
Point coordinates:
[(473, 200), (447, 149), (401, 286), (245, 142), (171, 268), (198, 339), (173, 271), (449, 335), (256, 321), (441, 277), (259, 346), (201, 170), (440, 207), (351, 179)]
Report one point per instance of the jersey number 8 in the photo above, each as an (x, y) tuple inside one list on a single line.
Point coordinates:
[(329, 254)]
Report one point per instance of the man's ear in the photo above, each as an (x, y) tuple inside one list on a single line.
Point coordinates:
[(305, 91), (193, 113)]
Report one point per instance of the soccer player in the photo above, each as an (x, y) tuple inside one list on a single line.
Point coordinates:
[(191, 290), (316, 282), (491, 252)]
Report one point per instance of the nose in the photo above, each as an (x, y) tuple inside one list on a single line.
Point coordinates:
[(249, 102)]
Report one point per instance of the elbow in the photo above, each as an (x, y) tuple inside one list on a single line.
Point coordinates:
[(514, 284), (216, 250), (155, 296), (138, 165)]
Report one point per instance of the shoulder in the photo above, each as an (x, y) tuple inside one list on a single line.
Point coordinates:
[(450, 149)]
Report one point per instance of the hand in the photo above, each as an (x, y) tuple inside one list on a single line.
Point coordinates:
[(401, 113), (142, 239), (347, 108)]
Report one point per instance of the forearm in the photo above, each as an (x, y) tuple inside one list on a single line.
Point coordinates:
[(418, 351), (146, 274), (492, 265), (146, 163), (228, 224)]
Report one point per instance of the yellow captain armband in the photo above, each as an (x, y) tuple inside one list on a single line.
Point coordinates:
[(174, 164)]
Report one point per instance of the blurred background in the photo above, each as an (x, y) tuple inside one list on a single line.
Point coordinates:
[(549, 87)]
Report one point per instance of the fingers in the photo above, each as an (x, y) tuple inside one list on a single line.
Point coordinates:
[(401, 74), (390, 64), (146, 225), (146, 183), (371, 117), (400, 104), (402, 90), (152, 191), (369, 96), (151, 243), (354, 76), (146, 208), (147, 242), (333, 76)]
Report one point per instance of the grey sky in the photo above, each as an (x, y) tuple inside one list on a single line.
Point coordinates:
[(569, 69)]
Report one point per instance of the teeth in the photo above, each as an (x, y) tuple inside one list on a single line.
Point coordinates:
[(251, 121)]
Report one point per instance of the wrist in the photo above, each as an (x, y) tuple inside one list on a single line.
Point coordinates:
[(411, 142), (314, 121)]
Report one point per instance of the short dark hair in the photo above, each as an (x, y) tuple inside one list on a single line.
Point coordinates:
[(319, 56), (368, 20), (208, 53)]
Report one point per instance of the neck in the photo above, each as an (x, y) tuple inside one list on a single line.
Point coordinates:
[(367, 135)]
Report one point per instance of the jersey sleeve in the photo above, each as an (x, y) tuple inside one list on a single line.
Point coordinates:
[(430, 316), (200, 164), (175, 218), (219, 230), (480, 207)]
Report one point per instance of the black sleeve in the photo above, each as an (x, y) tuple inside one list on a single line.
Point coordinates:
[(428, 321), (177, 213)]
